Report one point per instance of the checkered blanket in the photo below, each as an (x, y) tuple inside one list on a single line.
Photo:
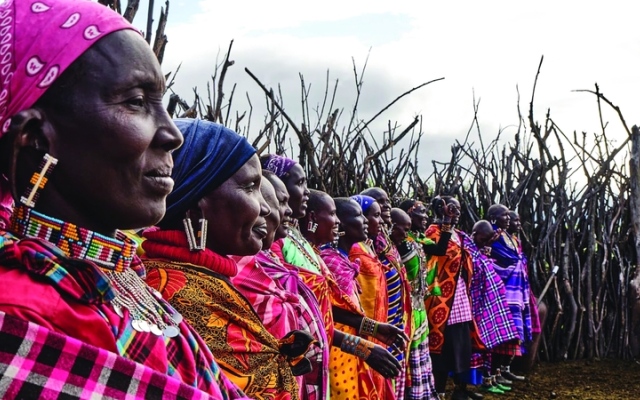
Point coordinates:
[(36, 363)]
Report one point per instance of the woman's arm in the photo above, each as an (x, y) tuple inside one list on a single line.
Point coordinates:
[(440, 248)]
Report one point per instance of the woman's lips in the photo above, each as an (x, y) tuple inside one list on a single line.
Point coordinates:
[(261, 230)]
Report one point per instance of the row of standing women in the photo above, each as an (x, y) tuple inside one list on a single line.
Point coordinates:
[(243, 283)]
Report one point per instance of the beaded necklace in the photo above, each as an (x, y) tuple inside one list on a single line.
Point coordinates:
[(302, 248), (113, 257)]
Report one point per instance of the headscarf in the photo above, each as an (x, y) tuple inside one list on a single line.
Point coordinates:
[(279, 165), (364, 201), (210, 155), (39, 40)]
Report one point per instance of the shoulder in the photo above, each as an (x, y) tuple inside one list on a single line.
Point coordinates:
[(38, 301)]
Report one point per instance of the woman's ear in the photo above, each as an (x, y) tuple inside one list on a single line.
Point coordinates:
[(30, 134), (30, 128)]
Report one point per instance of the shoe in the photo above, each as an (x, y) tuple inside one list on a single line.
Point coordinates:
[(474, 395), (502, 380), (491, 389), (503, 387), (511, 376)]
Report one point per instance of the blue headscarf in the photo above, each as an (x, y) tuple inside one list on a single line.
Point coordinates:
[(364, 201), (210, 155)]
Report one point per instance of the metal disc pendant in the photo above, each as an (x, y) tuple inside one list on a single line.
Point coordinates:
[(118, 310), (144, 325), (134, 325), (177, 317), (171, 331), (155, 330)]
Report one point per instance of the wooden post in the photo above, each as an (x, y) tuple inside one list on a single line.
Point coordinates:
[(634, 282)]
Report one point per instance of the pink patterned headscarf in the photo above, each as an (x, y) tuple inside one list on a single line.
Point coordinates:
[(279, 165), (39, 40)]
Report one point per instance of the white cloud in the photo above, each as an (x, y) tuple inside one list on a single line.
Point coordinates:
[(489, 47)]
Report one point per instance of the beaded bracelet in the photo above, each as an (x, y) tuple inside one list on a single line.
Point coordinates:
[(349, 343), (368, 327), (363, 349)]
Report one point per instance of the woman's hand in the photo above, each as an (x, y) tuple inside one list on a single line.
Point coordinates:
[(392, 336), (383, 362)]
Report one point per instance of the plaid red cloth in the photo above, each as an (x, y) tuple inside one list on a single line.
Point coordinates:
[(81, 285), (36, 363)]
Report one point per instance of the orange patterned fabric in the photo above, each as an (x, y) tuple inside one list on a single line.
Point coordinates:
[(450, 267), (350, 377), (247, 353), (374, 301)]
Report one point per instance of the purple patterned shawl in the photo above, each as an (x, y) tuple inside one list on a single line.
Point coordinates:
[(488, 300), (510, 265)]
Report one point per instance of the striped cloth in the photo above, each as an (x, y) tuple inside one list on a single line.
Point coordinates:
[(422, 385), (37, 363)]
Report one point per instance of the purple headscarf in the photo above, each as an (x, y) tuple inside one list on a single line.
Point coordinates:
[(364, 201), (279, 165)]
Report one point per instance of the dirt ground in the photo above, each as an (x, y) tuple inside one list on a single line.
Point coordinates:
[(579, 380)]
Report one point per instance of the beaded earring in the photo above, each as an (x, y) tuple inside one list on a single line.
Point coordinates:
[(38, 181), (312, 226), (197, 240)]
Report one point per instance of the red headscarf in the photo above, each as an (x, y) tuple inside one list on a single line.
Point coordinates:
[(39, 40)]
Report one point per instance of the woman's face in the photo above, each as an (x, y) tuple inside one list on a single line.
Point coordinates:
[(453, 207), (385, 205), (113, 140), (419, 219), (327, 219), (514, 223), (274, 218), (354, 223), (283, 207), (296, 183), (236, 213), (400, 229), (374, 220), (502, 218)]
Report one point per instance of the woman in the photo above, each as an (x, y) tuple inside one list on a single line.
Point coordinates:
[(217, 179), (398, 289), (511, 267), (273, 291), (299, 254), (84, 132), (489, 304), (346, 301), (515, 227), (420, 382), (452, 330), (374, 296), (299, 257)]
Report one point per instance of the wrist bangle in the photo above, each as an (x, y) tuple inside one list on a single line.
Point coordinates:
[(363, 349), (349, 343), (368, 327)]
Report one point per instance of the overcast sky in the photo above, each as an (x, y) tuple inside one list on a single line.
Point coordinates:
[(489, 47)]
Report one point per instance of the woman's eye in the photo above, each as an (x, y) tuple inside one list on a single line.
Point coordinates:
[(137, 101)]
